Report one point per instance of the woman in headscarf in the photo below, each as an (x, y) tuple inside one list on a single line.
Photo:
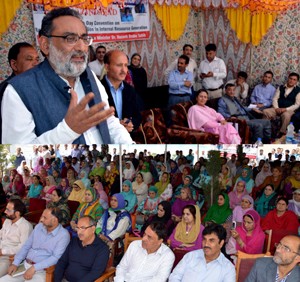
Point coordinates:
[(247, 178), (5, 183), (175, 174), (247, 204), (184, 200), (129, 171), (195, 172), (145, 171), (187, 182), (187, 235), (39, 165), (149, 205), (20, 168), (103, 199), (111, 175), (219, 213), (248, 238), (17, 186), (116, 221), (56, 176), (65, 187), (78, 192), (225, 180), (90, 207), (71, 176), (129, 196), (294, 204), (164, 184), (58, 200), (261, 176), (27, 179), (235, 196), (98, 169), (84, 178), (140, 188), (48, 189), (292, 183), (266, 201), (163, 215), (35, 188)]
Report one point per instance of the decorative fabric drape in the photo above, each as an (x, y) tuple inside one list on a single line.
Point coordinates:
[(250, 27), (173, 19), (84, 4), (8, 10)]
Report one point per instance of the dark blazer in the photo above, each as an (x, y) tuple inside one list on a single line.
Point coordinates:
[(131, 107), (265, 269)]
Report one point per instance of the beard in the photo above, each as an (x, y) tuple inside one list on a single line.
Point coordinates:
[(280, 261), (62, 63), (11, 217)]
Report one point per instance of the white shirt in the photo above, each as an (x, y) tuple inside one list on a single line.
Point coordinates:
[(287, 92), (218, 68), (137, 265), (96, 67), (238, 91), (192, 67), (18, 123), (14, 235), (193, 267)]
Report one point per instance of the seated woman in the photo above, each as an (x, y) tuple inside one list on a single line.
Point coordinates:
[(98, 169), (35, 188), (225, 179), (220, 212), (65, 187), (247, 178), (56, 176), (140, 188), (292, 184), (103, 199), (83, 176), (294, 204), (129, 171), (187, 182), (58, 201), (147, 175), (187, 235), (129, 196), (78, 192), (163, 215), (175, 174), (248, 238), (235, 196), (90, 207), (262, 175), (111, 174), (48, 189), (206, 119), (281, 221), (164, 187), (266, 201), (239, 211), (115, 222), (71, 176), (184, 200), (149, 206)]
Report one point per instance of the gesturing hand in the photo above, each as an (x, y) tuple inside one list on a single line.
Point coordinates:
[(80, 119)]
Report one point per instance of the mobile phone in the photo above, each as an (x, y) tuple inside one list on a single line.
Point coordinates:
[(233, 225)]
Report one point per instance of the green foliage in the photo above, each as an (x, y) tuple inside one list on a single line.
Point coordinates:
[(5, 158)]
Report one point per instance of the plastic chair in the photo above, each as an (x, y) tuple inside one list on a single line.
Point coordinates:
[(128, 239)]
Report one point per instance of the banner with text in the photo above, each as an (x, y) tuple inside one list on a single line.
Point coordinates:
[(115, 23)]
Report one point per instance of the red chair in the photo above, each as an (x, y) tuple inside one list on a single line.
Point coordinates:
[(35, 210), (73, 205)]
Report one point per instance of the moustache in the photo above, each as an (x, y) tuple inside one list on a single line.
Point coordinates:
[(207, 248)]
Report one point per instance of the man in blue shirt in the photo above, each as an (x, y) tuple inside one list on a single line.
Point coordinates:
[(207, 264), (180, 82), (43, 248), (229, 106), (263, 93)]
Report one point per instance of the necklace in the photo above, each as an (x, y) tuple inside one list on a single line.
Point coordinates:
[(188, 229)]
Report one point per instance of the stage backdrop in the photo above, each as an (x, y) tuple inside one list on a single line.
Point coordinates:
[(279, 50)]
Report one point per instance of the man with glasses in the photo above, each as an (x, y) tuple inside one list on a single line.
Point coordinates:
[(61, 100), (14, 233), (282, 267), (86, 257), (43, 248)]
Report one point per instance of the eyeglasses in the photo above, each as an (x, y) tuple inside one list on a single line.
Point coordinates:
[(72, 39), (84, 227), (285, 248)]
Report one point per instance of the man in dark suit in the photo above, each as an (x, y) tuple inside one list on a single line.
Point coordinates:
[(282, 267), (121, 95)]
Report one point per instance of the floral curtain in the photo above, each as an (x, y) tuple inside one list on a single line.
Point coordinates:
[(8, 10)]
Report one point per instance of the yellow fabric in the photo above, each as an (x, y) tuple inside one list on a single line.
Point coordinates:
[(85, 4), (191, 237), (173, 19), (8, 9), (249, 27)]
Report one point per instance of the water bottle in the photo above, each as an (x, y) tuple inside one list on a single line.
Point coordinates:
[(259, 142), (290, 134)]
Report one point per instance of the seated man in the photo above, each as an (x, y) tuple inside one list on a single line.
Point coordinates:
[(229, 106), (284, 266), (43, 248), (263, 93), (187, 50), (97, 66), (241, 87), (212, 71), (86, 257), (14, 233), (147, 259), (207, 264), (285, 102), (121, 95), (180, 82)]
